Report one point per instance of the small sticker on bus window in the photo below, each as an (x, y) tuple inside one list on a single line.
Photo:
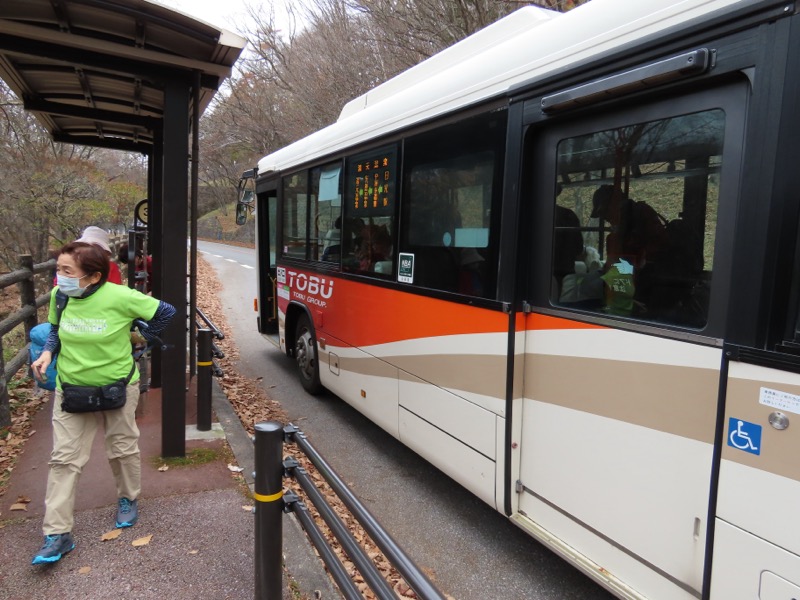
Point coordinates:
[(405, 271), (782, 400)]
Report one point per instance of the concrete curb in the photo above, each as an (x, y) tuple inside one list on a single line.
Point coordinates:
[(305, 566)]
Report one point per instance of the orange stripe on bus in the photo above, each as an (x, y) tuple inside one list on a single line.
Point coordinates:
[(374, 315)]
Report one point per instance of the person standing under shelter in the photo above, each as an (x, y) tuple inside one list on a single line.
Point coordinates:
[(99, 237), (91, 335)]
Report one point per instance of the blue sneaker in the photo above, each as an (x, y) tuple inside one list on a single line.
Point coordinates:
[(127, 513), (54, 547)]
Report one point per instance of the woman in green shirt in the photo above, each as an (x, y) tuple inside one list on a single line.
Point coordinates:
[(92, 339)]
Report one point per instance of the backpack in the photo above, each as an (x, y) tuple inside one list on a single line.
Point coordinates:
[(39, 335)]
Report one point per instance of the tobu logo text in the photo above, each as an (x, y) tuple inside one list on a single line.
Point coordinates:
[(311, 284)]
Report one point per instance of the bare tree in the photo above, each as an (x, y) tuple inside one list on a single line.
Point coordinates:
[(49, 191)]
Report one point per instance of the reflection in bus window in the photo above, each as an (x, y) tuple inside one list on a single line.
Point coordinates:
[(643, 199), (295, 215), (450, 188), (326, 206)]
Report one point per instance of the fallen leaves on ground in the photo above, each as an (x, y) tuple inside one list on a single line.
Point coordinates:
[(163, 468), (251, 402), (111, 535), (21, 503), (235, 469), (25, 401), (84, 570), (142, 541)]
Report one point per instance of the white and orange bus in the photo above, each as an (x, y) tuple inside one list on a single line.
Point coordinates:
[(560, 261)]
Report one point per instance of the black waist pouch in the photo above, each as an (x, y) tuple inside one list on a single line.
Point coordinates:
[(87, 398)]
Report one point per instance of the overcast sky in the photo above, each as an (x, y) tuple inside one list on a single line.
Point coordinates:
[(228, 14)]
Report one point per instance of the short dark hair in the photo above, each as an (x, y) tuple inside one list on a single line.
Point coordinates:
[(90, 258)]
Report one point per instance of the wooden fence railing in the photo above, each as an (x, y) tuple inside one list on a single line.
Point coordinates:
[(27, 314), (24, 277)]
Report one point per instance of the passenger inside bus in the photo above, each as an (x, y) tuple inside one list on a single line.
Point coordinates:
[(638, 232), (649, 268), (375, 249), (333, 242)]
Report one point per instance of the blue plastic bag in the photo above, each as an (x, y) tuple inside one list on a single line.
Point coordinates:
[(39, 335)]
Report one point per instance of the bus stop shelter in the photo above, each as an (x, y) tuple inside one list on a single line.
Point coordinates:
[(135, 76)]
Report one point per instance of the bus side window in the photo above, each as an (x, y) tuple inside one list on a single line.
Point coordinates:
[(644, 200), (295, 215), (450, 190), (326, 206), (368, 230)]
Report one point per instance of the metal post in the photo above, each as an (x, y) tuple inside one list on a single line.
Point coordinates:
[(204, 366), (268, 494)]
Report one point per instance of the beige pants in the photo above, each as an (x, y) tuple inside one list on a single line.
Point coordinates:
[(73, 434)]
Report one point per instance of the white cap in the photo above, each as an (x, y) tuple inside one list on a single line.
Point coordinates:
[(95, 235)]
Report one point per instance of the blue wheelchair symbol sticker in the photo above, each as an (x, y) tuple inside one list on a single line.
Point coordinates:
[(744, 436)]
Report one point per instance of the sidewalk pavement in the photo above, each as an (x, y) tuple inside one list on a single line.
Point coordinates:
[(202, 537)]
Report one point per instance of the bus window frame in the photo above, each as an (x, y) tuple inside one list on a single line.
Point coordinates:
[(542, 139), (499, 203), (348, 160)]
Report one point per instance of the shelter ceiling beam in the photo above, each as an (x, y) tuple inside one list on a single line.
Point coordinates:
[(70, 110), (113, 144), (155, 112)]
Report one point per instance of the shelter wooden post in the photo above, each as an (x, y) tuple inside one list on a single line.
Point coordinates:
[(173, 280)]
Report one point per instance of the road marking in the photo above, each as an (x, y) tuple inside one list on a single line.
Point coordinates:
[(248, 267), (217, 255), (231, 260)]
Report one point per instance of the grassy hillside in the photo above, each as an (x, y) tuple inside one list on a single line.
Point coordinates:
[(221, 225)]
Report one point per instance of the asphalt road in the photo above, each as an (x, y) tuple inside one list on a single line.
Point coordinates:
[(470, 551)]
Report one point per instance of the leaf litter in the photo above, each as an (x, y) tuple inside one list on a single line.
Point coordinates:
[(253, 405)]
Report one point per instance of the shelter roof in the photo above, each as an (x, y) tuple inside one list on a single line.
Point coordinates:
[(93, 71)]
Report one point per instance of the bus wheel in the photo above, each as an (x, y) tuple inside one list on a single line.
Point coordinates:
[(305, 353)]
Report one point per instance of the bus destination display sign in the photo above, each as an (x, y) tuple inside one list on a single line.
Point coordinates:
[(371, 183)]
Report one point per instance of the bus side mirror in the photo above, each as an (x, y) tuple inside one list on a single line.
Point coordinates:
[(241, 213)]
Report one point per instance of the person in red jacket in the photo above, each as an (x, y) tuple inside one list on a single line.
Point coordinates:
[(99, 237)]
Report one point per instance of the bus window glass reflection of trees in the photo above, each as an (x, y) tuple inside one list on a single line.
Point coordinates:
[(644, 200), (451, 196)]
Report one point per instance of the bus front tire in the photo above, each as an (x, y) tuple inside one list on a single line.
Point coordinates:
[(305, 354)]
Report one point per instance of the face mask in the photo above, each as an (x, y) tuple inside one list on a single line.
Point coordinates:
[(70, 285)]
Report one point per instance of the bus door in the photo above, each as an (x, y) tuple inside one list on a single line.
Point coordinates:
[(625, 307), (266, 240), (757, 529), (756, 546)]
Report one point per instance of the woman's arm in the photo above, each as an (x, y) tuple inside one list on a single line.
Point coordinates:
[(53, 343), (158, 322)]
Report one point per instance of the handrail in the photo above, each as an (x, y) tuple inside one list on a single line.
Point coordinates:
[(269, 472)]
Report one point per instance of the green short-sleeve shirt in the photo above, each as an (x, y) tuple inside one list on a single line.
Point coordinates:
[(95, 334)]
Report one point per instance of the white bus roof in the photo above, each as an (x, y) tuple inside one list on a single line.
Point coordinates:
[(529, 43)]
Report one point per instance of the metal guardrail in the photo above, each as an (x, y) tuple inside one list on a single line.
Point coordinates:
[(271, 503), (214, 350), (207, 351)]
